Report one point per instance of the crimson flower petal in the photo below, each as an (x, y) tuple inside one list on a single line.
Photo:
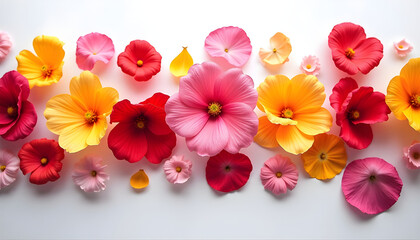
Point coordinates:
[(346, 35), (369, 54), (340, 92), (25, 123), (159, 147), (124, 111), (158, 99), (127, 142), (358, 136)]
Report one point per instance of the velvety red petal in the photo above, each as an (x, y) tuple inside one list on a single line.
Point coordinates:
[(124, 111), (159, 147), (43, 175), (127, 142), (158, 99), (6, 100), (25, 123), (155, 120), (358, 136), (368, 54), (343, 63), (127, 64), (29, 158), (16, 83), (346, 35), (340, 92)]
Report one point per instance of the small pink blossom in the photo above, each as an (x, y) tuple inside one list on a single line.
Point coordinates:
[(89, 174), (9, 166), (310, 65), (93, 47), (412, 155), (279, 174), (402, 48), (177, 169), (5, 45)]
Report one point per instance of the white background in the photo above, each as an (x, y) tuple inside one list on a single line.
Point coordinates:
[(314, 209)]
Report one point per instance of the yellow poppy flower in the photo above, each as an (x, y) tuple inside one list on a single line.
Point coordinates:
[(181, 64), (326, 158), (279, 52), (139, 180), (403, 94), (293, 112), (46, 68), (80, 118)]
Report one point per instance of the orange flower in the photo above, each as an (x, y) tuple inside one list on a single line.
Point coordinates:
[(293, 112), (326, 158), (279, 52)]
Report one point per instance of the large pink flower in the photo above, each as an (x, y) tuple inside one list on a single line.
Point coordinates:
[(214, 109), (230, 43), (372, 185), (352, 51), (93, 47)]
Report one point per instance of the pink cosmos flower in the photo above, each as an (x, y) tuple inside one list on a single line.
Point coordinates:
[(214, 110), (230, 43), (372, 185), (356, 109), (402, 48), (5, 45), (177, 169), (412, 155), (352, 51), (93, 47), (279, 174), (9, 166), (310, 65), (89, 174)]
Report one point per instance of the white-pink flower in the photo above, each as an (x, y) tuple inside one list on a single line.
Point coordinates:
[(177, 169), (412, 156), (402, 48), (310, 65), (230, 43), (89, 174), (93, 47), (5, 45), (279, 174), (9, 166)]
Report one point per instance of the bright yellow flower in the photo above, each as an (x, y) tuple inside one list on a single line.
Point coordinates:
[(326, 158), (46, 68), (279, 52), (80, 118), (293, 112), (403, 94)]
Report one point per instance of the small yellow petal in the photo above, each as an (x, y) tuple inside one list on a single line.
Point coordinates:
[(97, 132), (181, 64), (105, 99), (266, 135), (139, 180), (292, 140), (397, 97), (49, 50), (413, 116), (314, 122), (30, 66), (84, 88)]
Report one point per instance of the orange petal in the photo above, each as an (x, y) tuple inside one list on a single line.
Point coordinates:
[(139, 180), (105, 99), (30, 66), (292, 140), (273, 94), (411, 75), (279, 52), (49, 50), (266, 135), (84, 88), (314, 122), (306, 93), (398, 97)]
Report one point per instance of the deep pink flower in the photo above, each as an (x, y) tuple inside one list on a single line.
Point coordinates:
[(177, 169), (372, 185), (352, 51), (89, 174), (356, 109), (214, 110), (17, 115), (9, 166), (230, 43), (279, 174), (93, 47)]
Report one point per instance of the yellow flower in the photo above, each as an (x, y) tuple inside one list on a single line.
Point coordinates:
[(181, 64), (293, 112), (80, 118), (403, 94), (279, 52), (326, 158), (46, 68)]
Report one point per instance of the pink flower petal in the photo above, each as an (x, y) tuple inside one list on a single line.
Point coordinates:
[(11, 164), (83, 177), (279, 174), (403, 47), (93, 47), (5, 45), (412, 156), (310, 65)]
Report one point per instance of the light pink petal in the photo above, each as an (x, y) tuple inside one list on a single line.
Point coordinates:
[(11, 162), (82, 174), (93, 47), (403, 47), (310, 65), (413, 156), (5, 45)]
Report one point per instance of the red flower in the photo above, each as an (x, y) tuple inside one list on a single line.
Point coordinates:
[(17, 115), (356, 109), (142, 130), (352, 51), (42, 158), (228, 172), (140, 60)]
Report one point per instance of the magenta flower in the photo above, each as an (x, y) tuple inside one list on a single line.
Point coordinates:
[(214, 110), (89, 174), (372, 185), (279, 174), (230, 43), (177, 169), (412, 156), (93, 47), (9, 166)]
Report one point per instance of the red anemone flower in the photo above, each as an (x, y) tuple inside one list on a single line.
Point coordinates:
[(352, 51), (140, 59), (141, 131), (42, 158)]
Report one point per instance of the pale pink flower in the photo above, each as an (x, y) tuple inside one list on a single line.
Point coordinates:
[(372, 185), (279, 174), (214, 110), (177, 169), (93, 47), (9, 166), (402, 48), (230, 43), (310, 65), (412, 155), (5, 45), (89, 174)]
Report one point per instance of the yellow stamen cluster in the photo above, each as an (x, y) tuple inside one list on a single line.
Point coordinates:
[(415, 101), (139, 63), (279, 174), (308, 66), (286, 113), (214, 109), (353, 115), (46, 71), (12, 111), (323, 156), (274, 50), (2, 168), (350, 53), (44, 161), (226, 50), (91, 117), (178, 169)]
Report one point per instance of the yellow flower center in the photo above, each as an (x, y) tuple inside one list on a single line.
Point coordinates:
[(274, 50), (400, 46), (93, 173), (140, 122), (308, 66), (349, 53), (139, 63), (279, 174), (286, 113), (226, 50), (94, 53), (178, 169), (415, 101), (354, 115), (46, 71), (12, 111), (416, 155), (372, 178), (323, 156), (227, 168), (91, 117), (2, 168), (44, 161), (214, 109)]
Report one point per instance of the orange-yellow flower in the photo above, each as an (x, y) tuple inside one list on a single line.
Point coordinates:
[(80, 118), (280, 49), (293, 112), (46, 68), (326, 158), (403, 94)]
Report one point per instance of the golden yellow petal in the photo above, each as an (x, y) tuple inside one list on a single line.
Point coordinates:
[(413, 116), (410, 75), (74, 137), (273, 94), (292, 140), (181, 64), (266, 135), (84, 88), (105, 99), (313, 122), (306, 93), (398, 97), (49, 50), (30, 66), (139, 180), (279, 120), (97, 132)]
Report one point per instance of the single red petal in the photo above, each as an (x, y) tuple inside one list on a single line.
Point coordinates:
[(146, 72), (124, 111), (127, 142), (159, 147), (158, 99), (16, 83), (358, 136), (155, 120), (346, 35), (340, 92), (25, 123), (368, 54), (29, 158), (127, 65), (43, 175)]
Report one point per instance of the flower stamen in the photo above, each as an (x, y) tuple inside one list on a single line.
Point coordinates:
[(226, 50), (354, 115), (349, 53), (44, 161), (91, 117), (323, 156), (139, 63), (416, 155), (178, 169), (274, 50), (286, 113), (309, 66), (372, 178), (140, 122), (2, 168), (415, 101), (400, 46), (93, 173), (12, 111), (279, 174), (46, 71), (214, 109), (227, 168)]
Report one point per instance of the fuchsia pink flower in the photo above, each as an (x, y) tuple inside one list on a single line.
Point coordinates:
[(279, 174), (93, 47), (402, 47), (230, 43), (177, 169), (9, 166), (356, 109), (372, 185), (89, 174), (412, 155), (214, 110), (352, 51), (310, 65), (5, 45)]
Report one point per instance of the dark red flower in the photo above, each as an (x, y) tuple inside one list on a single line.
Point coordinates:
[(17, 115), (356, 109), (140, 59), (352, 51), (42, 158), (228, 172), (141, 131)]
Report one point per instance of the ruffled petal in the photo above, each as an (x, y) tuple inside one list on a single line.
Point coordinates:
[(124, 111), (266, 135), (127, 143), (292, 140), (84, 87), (340, 92), (30, 66), (105, 98), (273, 94), (158, 99), (306, 93), (368, 54), (24, 125), (346, 35)]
